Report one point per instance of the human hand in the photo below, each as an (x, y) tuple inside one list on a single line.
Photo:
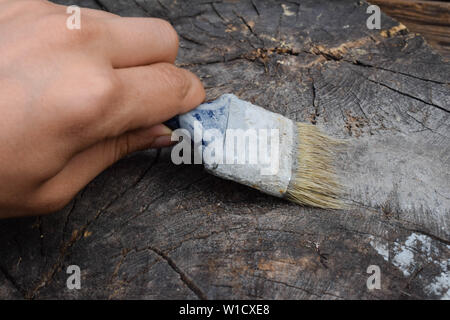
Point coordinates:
[(73, 102)]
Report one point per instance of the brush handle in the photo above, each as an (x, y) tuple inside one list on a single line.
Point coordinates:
[(234, 119), (211, 115)]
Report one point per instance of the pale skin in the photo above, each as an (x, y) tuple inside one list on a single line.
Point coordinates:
[(73, 102)]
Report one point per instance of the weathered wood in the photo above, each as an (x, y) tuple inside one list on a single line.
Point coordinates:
[(146, 228), (429, 18)]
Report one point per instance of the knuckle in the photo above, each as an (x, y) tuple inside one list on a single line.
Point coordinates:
[(170, 35), (103, 89), (167, 30), (178, 80), (96, 98), (90, 30), (92, 106), (54, 27)]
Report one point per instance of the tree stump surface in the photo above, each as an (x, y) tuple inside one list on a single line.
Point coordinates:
[(148, 229)]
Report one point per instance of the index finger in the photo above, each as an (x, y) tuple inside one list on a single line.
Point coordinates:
[(132, 42)]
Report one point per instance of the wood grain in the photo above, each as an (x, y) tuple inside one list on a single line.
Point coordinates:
[(429, 18)]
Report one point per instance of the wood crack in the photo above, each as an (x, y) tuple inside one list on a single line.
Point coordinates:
[(408, 95), (363, 64), (289, 285), (183, 276)]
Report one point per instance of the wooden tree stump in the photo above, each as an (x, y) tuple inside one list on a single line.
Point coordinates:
[(147, 228)]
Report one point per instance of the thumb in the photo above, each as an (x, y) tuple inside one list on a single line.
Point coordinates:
[(86, 165), (108, 151)]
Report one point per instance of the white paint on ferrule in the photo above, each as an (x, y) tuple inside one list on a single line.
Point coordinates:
[(273, 147)]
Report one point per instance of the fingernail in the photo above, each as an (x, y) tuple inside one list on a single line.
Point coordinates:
[(162, 141), (161, 130)]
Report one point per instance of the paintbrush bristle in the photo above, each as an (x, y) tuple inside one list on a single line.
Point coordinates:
[(314, 181)]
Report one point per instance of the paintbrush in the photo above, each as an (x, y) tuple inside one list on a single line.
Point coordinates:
[(239, 141)]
